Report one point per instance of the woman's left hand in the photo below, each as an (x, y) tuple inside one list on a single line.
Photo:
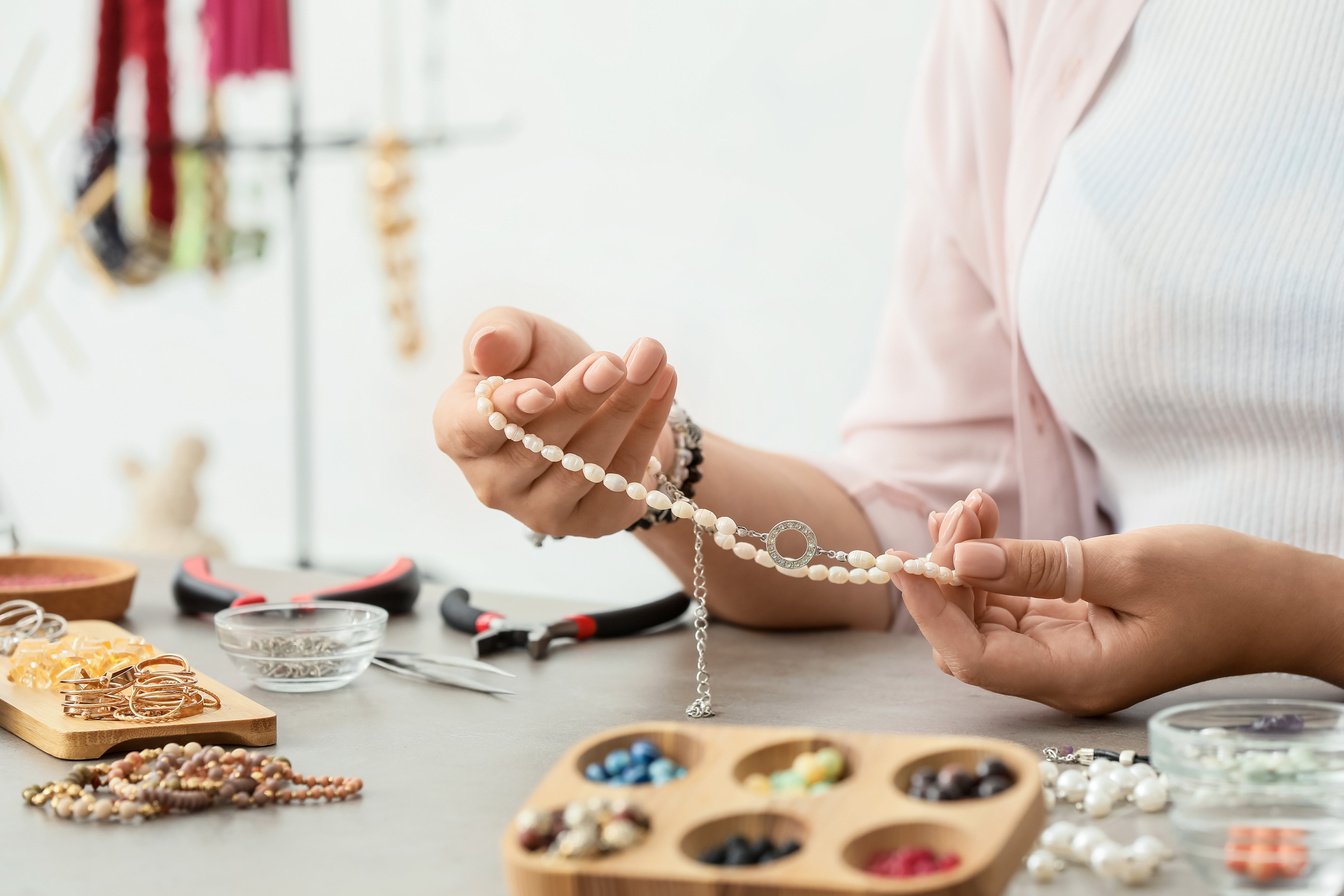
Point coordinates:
[(1161, 608)]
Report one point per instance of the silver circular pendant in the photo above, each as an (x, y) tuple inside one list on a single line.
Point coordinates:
[(791, 562)]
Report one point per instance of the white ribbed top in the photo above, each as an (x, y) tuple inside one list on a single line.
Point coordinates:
[(1183, 287)]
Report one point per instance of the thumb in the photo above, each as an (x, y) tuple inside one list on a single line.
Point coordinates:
[(499, 342), (1030, 568)]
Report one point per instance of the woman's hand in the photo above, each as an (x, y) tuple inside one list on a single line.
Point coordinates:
[(609, 410), (1162, 608)]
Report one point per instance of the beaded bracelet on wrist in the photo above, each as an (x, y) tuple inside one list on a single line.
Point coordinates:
[(864, 567), (687, 458)]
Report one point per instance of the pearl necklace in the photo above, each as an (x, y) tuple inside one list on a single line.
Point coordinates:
[(864, 567)]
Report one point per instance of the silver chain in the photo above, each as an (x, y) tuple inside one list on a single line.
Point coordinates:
[(702, 706)]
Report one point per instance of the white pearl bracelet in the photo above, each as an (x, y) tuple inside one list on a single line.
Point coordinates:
[(863, 567)]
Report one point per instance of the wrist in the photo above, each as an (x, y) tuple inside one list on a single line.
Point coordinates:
[(1321, 616)]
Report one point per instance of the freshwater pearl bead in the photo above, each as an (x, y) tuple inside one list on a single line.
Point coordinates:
[(594, 473), (744, 550), (914, 566), (1085, 841), (796, 573), (615, 482), (1099, 767), (484, 406), (495, 382), (878, 576), (636, 491), (1123, 780), (658, 500), (944, 576), (818, 572), (862, 559), (1071, 786), (931, 568), (1058, 838), (1107, 860), (704, 518), (888, 563), (724, 540), (1149, 849), (533, 443), (553, 453), (1150, 795), (572, 462), (1042, 866), (838, 575), (483, 389), (763, 559), (726, 525), (497, 420), (1098, 803), (682, 510), (858, 577), (514, 433), (655, 465)]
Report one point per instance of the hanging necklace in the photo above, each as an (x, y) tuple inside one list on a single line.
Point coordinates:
[(863, 567)]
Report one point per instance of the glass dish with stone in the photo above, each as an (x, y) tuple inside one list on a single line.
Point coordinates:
[(301, 646), (1257, 792)]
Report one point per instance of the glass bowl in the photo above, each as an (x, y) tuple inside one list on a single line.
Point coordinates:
[(301, 646), (1257, 792)]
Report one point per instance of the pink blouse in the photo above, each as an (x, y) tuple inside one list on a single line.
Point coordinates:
[(951, 403)]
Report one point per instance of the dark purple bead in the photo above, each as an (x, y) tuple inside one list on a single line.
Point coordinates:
[(991, 766), (992, 784), (1288, 723), (922, 777)]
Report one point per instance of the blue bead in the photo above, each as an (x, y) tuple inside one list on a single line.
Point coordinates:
[(663, 768), (681, 772), (636, 774), (643, 751), (595, 772), (617, 762)]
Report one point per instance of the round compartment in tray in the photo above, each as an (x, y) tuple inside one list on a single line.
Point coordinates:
[(72, 586), (681, 748), (966, 757), (779, 828), (940, 838), (779, 756)]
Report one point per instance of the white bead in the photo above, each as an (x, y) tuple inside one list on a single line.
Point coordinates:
[(497, 420), (682, 510), (1086, 840), (861, 559), (658, 500), (913, 566), (838, 575), (858, 577), (818, 572), (724, 540), (572, 462), (1123, 779), (1058, 837), (483, 389), (955, 580), (1150, 795), (878, 577), (744, 550), (552, 453), (1098, 803), (514, 433), (485, 407), (594, 473), (1136, 874), (930, 569), (1107, 860), (655, 465), (1071, 786), (495, 382), (636, 491), (1049, 771), (944, 576), (704, 518), (726, 525), (1127, 757), (1148, 848), (763, 559), (1141, 770), (1106, 787), (799, 572), (615, 482), (533, 443), (887, 563), (1099, 768), (1042, 866)]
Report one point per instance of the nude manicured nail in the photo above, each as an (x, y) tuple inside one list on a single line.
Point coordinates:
[(664, 383), (480, 334), (644, 360), (975, 499), (601, 375), (979, 560), (949, 526), (534, 401)]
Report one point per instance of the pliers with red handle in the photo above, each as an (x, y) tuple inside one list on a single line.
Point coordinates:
[(493, 632), (196, 589)]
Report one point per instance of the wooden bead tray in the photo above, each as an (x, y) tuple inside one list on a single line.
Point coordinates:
[(865, 812)]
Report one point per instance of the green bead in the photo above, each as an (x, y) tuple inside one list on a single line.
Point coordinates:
[(832, 762), (820, 787), (788, 782)]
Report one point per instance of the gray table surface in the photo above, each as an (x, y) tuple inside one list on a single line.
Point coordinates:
[(445, 769)]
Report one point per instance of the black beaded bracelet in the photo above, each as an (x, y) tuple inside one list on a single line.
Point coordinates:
[(688, 436)]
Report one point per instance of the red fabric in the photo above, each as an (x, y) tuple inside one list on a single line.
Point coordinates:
[(244, 37), (107, 70), (147, 37)]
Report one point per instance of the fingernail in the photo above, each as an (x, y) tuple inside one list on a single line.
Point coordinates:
[(644, 360), (974, 499), (601, 375), (482, 332), (949, 526), (534, 401), (979, 560), (664, 383)]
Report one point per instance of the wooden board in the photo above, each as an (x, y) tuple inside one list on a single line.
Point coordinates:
[(105, 594), (35, 715), (865, 812)]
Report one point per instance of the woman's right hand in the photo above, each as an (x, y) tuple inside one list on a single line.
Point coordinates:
[(609, 410)]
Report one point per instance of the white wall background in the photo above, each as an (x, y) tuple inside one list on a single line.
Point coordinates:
[(725, 177)]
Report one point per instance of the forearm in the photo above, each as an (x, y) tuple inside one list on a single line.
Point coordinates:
[(758, 489), (1321, 618)]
